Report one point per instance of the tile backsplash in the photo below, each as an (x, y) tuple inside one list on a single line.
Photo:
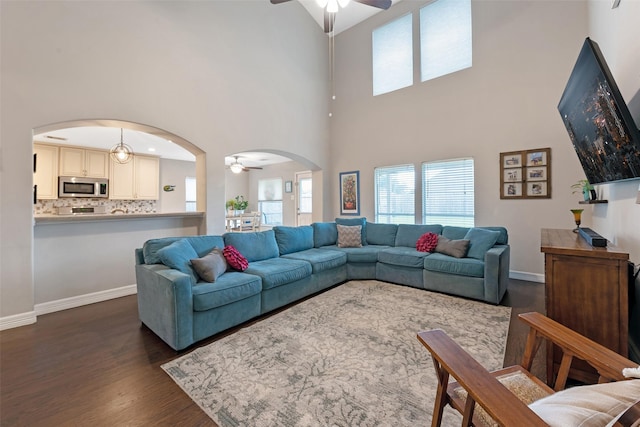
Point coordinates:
[(48, 207)]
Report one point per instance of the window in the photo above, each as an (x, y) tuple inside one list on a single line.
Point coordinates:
[(448, 193), (395, 194), (190, 193), (305, 195), (270, 201), (445, 45), (393, 56), (445, 38)]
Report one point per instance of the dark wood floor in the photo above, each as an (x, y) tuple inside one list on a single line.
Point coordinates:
[(97, 366)]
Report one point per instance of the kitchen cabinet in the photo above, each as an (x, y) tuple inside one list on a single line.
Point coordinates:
[(138, 179), (83, 162), (586, 289), (46, 171)]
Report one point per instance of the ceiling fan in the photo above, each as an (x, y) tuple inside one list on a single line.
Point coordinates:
[(331, 8), (237, 167)]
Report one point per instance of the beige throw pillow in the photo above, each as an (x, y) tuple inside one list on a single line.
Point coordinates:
[(349, 236), (454, 248), (210, 266)]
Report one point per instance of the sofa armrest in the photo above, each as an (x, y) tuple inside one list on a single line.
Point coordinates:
[(496, 273), (165, 303)]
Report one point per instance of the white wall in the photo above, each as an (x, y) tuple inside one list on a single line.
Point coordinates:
[(618, 34), (174, 172), (225, 76), (523, 53)]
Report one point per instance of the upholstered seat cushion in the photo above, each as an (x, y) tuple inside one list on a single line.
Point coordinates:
[(403, 256), (470, 267), (228, 288), (592, 405), (365, 254), (320, 259), (279, 271)]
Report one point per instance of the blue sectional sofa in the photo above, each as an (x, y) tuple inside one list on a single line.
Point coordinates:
[(286, 264)]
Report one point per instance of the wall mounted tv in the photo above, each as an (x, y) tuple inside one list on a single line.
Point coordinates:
[(599, 123)]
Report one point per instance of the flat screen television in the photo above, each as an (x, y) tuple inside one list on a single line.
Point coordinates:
[(598, 121)]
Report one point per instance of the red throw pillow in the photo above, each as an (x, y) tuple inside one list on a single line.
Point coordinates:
[(235, 258), (427, 242)]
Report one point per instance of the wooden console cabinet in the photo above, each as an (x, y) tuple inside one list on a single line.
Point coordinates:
[(586, 289)]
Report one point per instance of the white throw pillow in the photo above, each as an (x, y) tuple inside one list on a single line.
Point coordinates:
[(589, 405)]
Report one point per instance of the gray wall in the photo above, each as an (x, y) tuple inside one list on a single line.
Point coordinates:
[(174, 172), (225, 76), (523, 53)]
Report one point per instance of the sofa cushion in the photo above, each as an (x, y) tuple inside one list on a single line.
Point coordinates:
[(201, 244), (320, 259), (480, 241), (234, 258), (355, 221), (403, 256), (365, 254), (293, 239), (255, 246), (210, 266), (324, 234), (178, 255), (381, 234), (349, 236), (461, 266), (408, 234), (454, 248), (230, 287), (457, 233), (279, 271), (589, 405)]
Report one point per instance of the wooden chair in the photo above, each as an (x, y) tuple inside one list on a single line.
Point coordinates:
[(497, 403), (248, 222)]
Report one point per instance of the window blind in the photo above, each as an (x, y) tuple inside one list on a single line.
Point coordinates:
[(445, 38), (448, 192), (395, 194), (393, 55)]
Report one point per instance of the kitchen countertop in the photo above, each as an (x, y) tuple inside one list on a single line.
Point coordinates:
[(58, 219)]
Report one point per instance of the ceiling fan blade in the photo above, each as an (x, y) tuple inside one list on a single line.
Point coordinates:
[(380, 4), (329, 20), (246, 168), (279, 1)]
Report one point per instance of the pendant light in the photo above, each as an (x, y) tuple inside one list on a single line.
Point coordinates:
[(121, 153)]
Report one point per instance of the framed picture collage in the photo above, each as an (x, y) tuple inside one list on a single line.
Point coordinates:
[(525, 174)]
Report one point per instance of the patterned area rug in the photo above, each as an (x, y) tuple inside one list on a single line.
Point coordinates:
[(347, 357)]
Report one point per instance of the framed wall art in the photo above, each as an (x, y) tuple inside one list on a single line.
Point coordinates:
[(288, 186), (350, 193), (525, 174)]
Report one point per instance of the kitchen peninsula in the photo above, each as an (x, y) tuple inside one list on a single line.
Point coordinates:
[(87, 258)]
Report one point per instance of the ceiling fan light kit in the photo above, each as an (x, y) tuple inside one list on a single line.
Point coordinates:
[(236, 167)]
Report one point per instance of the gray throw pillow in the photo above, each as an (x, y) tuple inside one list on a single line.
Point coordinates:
[(454, 248), (349, 236), (210, 266)]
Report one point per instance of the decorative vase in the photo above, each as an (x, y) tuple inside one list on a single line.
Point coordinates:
[(577, 216), (594, 196), (586, 194), (239, 212)]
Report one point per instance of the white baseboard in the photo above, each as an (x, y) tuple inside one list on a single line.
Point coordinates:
[(523, 275), (17, 320), (29, 318), (80, 300)]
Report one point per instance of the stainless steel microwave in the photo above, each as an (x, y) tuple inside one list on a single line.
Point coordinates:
[(74, 186)]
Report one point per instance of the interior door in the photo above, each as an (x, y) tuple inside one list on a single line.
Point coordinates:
[(303, 194)]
